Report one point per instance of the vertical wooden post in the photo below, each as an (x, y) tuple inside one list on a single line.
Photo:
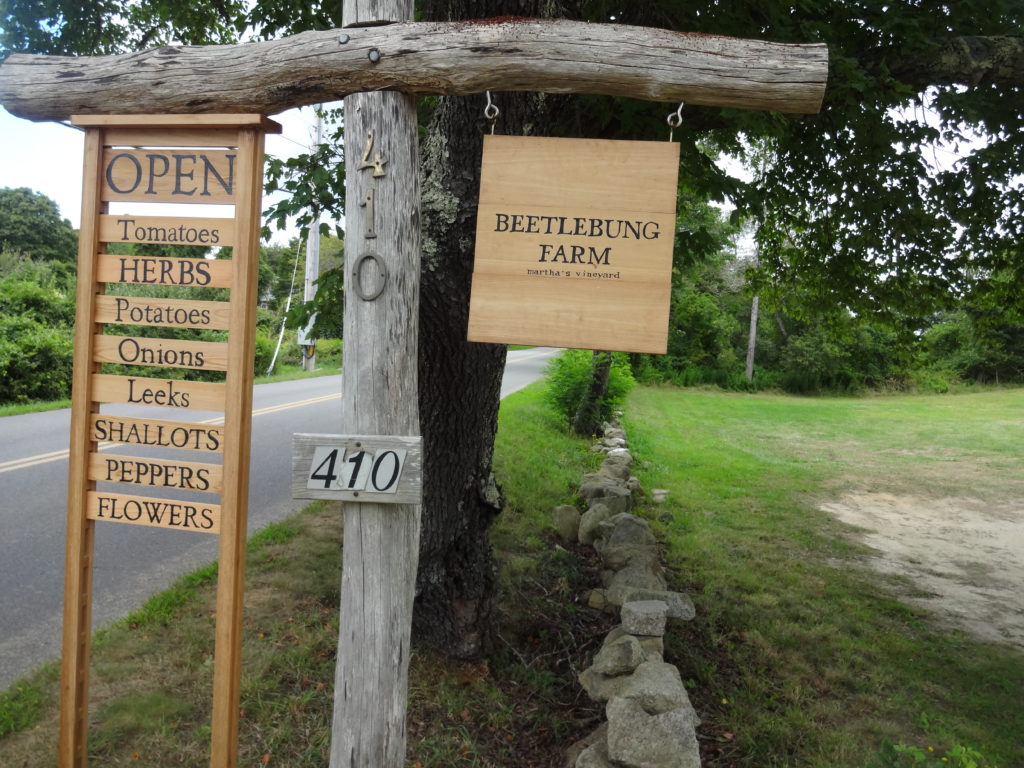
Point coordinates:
[(74, 710), (382, 253), (227, 665)]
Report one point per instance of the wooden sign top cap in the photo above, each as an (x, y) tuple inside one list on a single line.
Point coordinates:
[(231, 120)]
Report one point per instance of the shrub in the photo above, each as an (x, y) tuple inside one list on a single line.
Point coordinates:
[(569, 375), (35, 361)]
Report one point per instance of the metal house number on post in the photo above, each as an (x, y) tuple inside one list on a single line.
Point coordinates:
[(376, 287), (357, 277)]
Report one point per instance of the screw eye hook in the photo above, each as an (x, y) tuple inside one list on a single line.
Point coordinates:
[(491, 111), (675, 119)]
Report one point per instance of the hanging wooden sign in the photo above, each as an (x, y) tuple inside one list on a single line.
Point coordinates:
[(177, 159), (574, 243)]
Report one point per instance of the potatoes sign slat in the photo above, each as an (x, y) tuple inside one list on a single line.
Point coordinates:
[(132, 159)]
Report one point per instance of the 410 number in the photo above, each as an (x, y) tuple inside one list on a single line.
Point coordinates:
[(337, 468)]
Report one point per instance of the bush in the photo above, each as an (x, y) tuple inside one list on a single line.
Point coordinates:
[(569, 375), (35, 361), (264, 351), (328, 352), (44, 304)]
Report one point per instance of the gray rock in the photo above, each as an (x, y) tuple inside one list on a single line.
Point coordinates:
[(597, 600), (614, 442), (642, 571), (607, 491), (618, 553), (654, 684), (619, 657), (598, 448), (658, 495), (680, 606), (612, 432), (653, 647), (658, 688), (600, 687), (594, 485), (637, 739), (619, 500), (617, 452), (616, 467), (573, 752), (595, 756), (644, 617), (592, 518), (629, 530), (614, 635), (567, 522), (597, 486)]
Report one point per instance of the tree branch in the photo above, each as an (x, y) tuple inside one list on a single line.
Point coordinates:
[(967, 60), (455, 58)]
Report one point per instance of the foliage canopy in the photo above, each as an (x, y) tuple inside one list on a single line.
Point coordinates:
[(31, 225), (903, 192)]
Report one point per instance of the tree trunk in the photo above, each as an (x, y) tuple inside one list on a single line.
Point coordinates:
[(752, 338), (588, 415), (460, 381), (782, 326)]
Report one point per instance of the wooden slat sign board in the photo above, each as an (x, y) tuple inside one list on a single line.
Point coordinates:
[(574, 243), (131, 161)]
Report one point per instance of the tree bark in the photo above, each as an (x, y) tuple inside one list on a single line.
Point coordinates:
[(752, 337), (967, 60), (588, 414), (498, 54), (460, 381)]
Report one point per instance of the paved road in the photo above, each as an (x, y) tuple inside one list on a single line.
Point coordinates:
[(133, 562)]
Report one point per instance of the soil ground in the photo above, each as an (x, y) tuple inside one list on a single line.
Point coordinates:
[(963, 557)]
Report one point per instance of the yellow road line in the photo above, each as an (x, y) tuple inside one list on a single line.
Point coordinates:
[(45, 458)]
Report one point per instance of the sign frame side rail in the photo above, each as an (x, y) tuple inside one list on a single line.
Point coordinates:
[(408, 451)]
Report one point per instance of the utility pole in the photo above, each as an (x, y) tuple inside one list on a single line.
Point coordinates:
[(312, 269)]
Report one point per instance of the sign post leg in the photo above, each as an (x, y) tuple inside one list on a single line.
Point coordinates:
[(227, 674), (74, 712)]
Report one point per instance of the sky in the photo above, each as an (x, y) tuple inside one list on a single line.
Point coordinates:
[(47, 158)]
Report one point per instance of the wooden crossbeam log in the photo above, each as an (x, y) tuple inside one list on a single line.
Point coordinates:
[(453, 58)]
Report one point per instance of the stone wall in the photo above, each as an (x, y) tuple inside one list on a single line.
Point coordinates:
[(650, 721)]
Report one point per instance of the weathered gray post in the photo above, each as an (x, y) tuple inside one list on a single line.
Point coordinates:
[(379, 388)]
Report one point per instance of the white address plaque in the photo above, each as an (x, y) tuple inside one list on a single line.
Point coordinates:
[(369, 468)]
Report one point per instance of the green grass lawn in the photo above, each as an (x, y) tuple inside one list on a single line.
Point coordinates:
[(800, 655)]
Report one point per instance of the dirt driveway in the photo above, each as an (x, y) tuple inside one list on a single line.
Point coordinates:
[(964, 556)]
